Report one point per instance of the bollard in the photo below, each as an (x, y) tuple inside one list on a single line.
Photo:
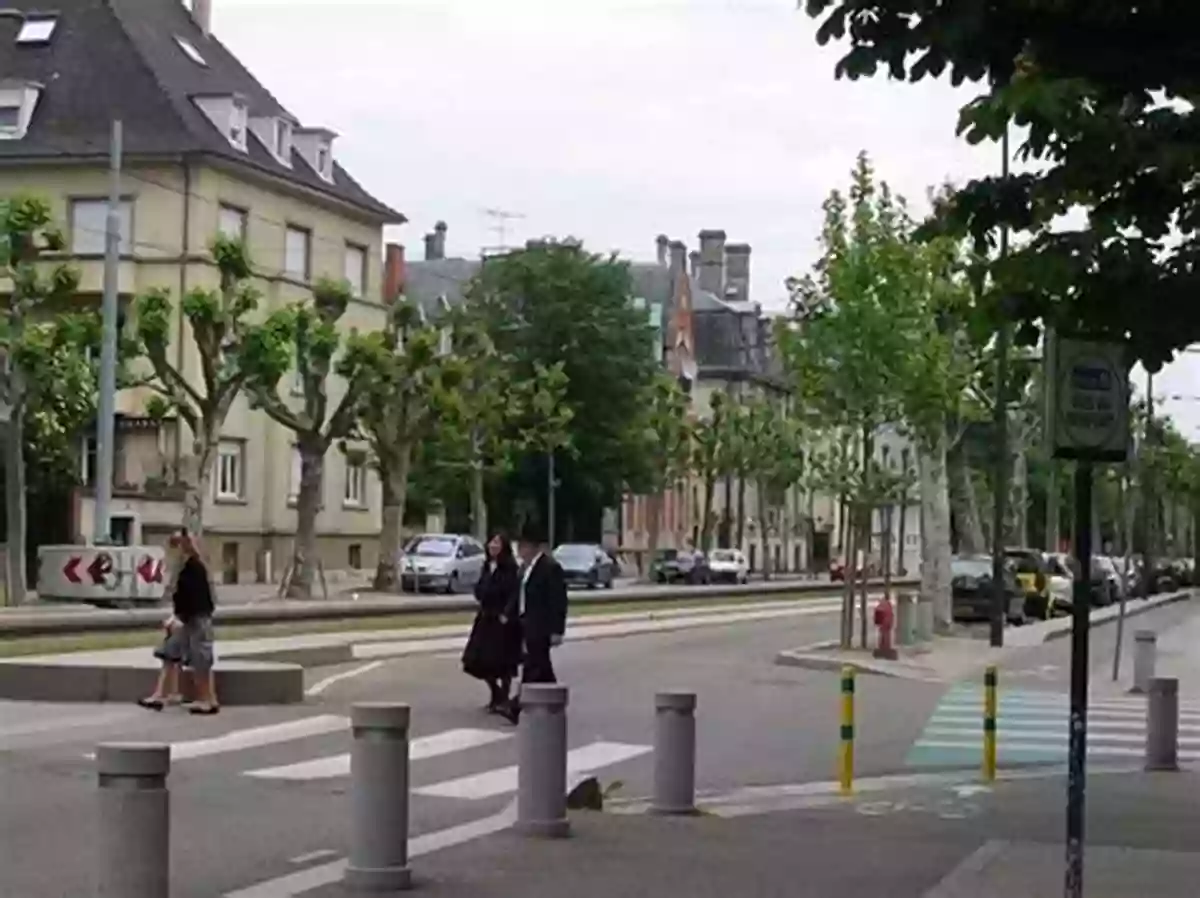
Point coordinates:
[(542, 762), (674, 753), (1145, 648), (904, 619), (924, 619), (846, 761), (1162, 724), (379, 798), (989, 724), (133, 837)]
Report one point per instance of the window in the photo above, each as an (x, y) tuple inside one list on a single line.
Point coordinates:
[(323, 166), (10, 117), (36, 31), (231, 222), (355, 559), (356, 268), (297, 244), (190, 51), (238, 119), (89, 220), (283, 140), (229, 482), (356, 484), (87, 462)]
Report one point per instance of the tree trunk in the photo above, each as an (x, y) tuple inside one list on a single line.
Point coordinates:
[(741, 511), (966, 505), (847, 634), (199, 483), (887, 553), (759, 498), (710, 484), (935, 531), (395, 491), (15, 580), (1019, 506), (901, 570), (308, 505), (654, 507), (479, 515)]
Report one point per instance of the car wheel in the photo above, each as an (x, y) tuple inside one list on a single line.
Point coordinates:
[(452, 584), (592, 582), (608, 584)]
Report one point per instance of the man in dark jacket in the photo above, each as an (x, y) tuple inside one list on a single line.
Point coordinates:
[(541, 609)]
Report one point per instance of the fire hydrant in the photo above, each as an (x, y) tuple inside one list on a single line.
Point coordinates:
[(885, 622)]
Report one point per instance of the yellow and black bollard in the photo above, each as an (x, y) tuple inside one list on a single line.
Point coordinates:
[(846, 765), (989, 725)]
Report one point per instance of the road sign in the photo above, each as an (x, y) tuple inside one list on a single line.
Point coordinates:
[(100, 568), (104, 575), (71, 569), (150, 569), (1089, 408)]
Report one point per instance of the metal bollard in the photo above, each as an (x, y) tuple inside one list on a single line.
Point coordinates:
[(542, 762), (924, 619), (905, 625), (1162, 724), (1145, 650), (846, 733), (379, 798), (674, 753), (989, 724), (133, 837)]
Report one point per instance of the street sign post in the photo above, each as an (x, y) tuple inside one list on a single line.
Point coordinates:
[(1087, 422)]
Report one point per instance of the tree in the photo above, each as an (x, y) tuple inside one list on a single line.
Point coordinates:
[(27, 232), (1105, 91), (662, 437), (220, 326), (774, 444), (554, 303), (403, 379), (306, 338), (712, 441)]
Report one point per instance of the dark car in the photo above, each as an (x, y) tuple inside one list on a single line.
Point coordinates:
[(586, 564), (971, 589), (679, 566)]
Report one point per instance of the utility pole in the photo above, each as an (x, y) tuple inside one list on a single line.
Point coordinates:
[(106, 411), (1000, 423), (551, 489), (1053, 496), (500, 219)]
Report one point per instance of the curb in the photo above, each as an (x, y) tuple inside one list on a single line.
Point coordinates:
[(805, 659), (1112, 612)]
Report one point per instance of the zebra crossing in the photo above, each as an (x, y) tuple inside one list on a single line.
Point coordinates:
[(497, 778), (1032, 728)]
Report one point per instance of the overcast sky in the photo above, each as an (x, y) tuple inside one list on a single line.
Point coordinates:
[(609, 120)]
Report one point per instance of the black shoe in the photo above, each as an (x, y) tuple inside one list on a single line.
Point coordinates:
[(510, 712)]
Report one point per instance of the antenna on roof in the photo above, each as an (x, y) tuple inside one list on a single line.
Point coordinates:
[(500, 219)]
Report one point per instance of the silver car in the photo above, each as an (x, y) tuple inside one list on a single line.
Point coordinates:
[(444, 562)]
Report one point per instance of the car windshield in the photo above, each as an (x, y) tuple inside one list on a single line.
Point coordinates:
[(723, 555), (431, 547), (575, 553), (978, 568), (666, 555)]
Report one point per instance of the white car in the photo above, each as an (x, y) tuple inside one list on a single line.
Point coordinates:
[(728, 566), (445, 562)]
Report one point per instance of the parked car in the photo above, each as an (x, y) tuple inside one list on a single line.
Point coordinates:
[(728, 566), (680, 566), (586, 564), (1032, 572), (971, 589), (1104, 566), (446, 562), (1060, 582)]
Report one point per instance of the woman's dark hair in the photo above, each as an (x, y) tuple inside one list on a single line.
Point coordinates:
[(506, 555)]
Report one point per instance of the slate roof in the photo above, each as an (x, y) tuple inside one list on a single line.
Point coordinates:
[(119, 59)]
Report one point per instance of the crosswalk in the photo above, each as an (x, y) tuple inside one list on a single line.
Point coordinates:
[(1032, 728), (497, 778)]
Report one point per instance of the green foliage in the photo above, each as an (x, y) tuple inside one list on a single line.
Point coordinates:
[(662, 436), (555, 305), (1105, 92)]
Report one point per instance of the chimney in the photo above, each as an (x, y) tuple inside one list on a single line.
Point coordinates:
[(737, 272), (662, 243), (712, 262), (202, 13), (678, 258), (393, 273), (694, 263), (435, 242)]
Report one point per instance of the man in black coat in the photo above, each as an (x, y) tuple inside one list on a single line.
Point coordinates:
[(541, 609)]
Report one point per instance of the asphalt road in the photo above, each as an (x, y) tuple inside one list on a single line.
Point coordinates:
[(757, 724)]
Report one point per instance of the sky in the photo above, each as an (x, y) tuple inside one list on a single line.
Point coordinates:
[(611, 121)]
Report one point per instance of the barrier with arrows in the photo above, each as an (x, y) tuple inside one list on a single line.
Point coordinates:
[(102, 574)]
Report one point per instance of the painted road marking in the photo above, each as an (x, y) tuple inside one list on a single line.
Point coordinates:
[(255, 737), (503, 780), (443, 743), (321, 685)]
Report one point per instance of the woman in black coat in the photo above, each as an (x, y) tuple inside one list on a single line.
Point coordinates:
[(493, 650)]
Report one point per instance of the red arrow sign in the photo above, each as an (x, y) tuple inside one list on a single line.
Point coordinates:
[(70, 569), (150, 570), (100, 567)]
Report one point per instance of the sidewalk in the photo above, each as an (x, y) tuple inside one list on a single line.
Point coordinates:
[(925, 842)]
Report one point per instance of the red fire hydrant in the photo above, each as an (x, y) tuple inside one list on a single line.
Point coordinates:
[(885, 621)]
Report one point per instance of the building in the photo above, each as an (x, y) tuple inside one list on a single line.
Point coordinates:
[(207, 149)]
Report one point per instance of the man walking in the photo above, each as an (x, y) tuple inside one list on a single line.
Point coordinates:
[(541, 610)]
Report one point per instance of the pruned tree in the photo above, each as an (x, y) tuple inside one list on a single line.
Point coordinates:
[(306, 338), (774, 440), (219, 322), (712, 447), (403, 375), (27, 233)]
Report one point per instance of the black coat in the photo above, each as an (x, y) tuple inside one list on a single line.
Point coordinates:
[(545, 601), (494, 647)]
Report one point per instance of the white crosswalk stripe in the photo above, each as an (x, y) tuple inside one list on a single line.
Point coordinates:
[(1032, 726)]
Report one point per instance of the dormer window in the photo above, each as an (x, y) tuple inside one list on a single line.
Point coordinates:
[(238, 120), (316, 146), (17, 102), (190, 51), (323, 163), (36, 31), (283, 140)]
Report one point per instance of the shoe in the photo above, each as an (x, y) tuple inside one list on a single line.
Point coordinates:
[(204, 710), (510, 712), (151, 704)]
